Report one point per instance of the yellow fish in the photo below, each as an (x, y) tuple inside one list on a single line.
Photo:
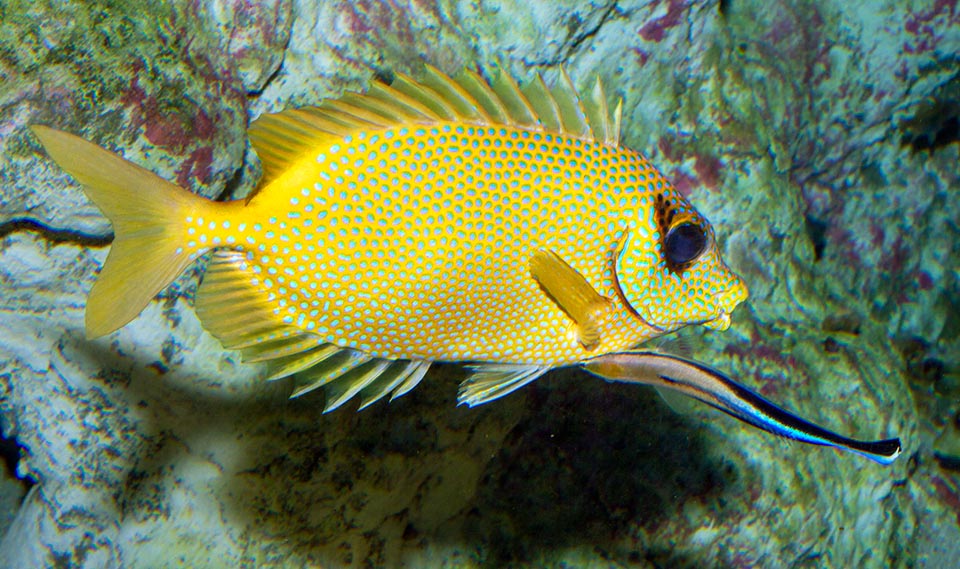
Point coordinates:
[(448, 219)]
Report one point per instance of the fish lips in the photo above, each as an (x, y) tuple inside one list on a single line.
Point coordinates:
[(727, 301)]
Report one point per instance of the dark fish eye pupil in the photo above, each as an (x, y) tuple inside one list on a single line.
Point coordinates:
[(684, 243)]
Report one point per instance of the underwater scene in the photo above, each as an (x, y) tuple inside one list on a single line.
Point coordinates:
[(306, 283)]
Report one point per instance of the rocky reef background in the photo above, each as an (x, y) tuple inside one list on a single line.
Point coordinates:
[(821, 139)]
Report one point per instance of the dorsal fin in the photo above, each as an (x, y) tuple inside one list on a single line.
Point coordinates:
[(485, 97), (516, 103), (544, 105), (438, 104), (282, 138), (572, 117), (605, 127), (458, 95)]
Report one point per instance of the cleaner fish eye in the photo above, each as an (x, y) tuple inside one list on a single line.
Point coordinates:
[(434, 219)]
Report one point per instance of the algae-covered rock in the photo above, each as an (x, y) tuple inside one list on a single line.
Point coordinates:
[(816, 137)]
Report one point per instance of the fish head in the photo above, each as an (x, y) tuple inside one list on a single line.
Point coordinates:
[(669, 270)]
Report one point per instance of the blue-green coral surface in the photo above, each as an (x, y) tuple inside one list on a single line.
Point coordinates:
[(820, 138)]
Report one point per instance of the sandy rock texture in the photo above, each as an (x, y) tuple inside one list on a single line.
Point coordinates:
[(820, 140)]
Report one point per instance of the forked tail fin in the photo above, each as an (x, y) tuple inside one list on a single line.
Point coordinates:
[(147, 212)]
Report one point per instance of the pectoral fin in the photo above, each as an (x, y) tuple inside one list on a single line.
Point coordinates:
[(572, 293)]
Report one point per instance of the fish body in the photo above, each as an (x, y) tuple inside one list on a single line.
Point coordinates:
[(415, 242), (444, 220)]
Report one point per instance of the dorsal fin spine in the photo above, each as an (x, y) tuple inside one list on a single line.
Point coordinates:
[(425, 95), (597, 113), (384, 103), (514, 100), (312, 118), (464, 103), (617, 115), (388, 111), (365, 114), (572, 116), (481, 92), (415, 109), (543, 104), (352, 122)]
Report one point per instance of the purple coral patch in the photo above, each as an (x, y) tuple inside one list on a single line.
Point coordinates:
[(844, 243), (895, 257), (196, 166), (669, 151), (685, 183), (758, 351), (708, 170), (655, 29), (877, 234), (365, 17), (924, 24), (921, 22), (173, 131), (948, 495), (641, 56), (166, 129)]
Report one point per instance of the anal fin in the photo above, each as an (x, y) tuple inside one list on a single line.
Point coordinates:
[(492, 381), (572, 293), (237, 311), (351, 373), (329, 369), (234, 308), (349, 384)]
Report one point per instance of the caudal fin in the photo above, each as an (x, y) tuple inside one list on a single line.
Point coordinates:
[(147, 213)]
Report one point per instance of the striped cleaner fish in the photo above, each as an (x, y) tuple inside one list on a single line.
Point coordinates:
[(448, 219), (706, 384)]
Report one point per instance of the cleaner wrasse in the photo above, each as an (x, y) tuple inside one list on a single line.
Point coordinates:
[(702, 382)]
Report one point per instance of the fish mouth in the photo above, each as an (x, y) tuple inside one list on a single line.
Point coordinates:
[(721, 322), (727, 301)]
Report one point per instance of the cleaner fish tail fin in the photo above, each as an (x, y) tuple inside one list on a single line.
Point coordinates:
[(148, 214)]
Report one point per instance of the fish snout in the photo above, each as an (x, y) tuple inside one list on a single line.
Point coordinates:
[(721, 322), (726, 302)]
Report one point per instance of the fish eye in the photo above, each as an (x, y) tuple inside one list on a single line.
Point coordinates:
[(683, 244)]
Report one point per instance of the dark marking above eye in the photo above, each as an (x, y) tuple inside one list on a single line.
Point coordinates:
[(683, 244)]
